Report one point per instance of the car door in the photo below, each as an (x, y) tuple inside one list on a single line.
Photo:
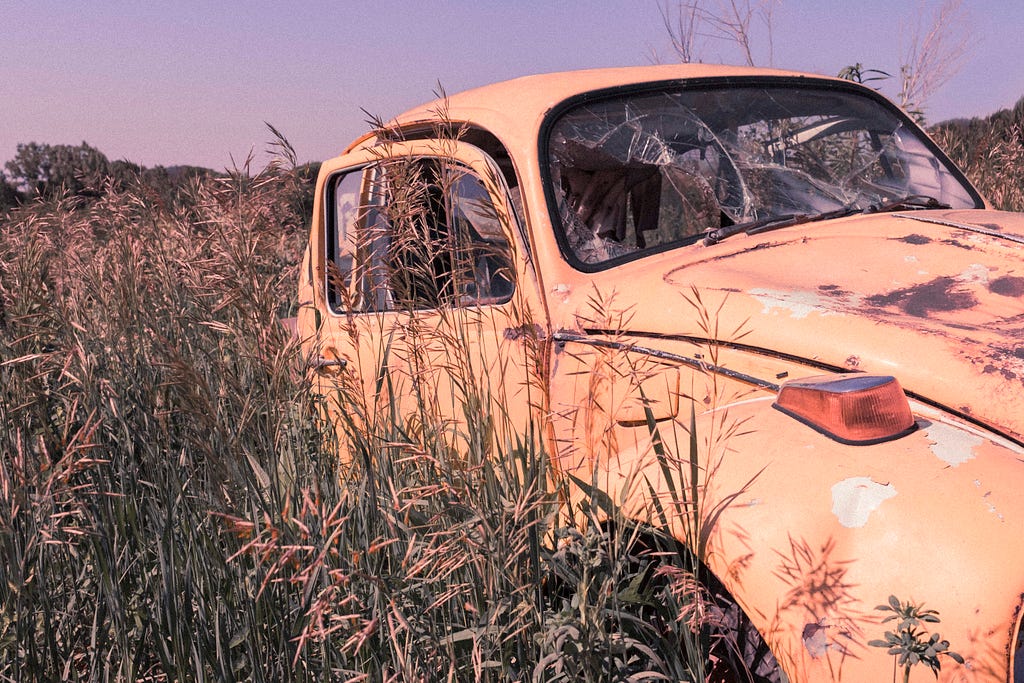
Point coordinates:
[(423, 312)]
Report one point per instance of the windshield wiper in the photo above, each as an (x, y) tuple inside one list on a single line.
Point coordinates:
[(786, 220), (908, 203)]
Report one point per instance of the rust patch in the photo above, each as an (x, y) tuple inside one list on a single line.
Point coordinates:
[(853, 362), (1008, 285), (957, 243), (533, 331), (1003, 352), (920, 300), (915, 239), (834, 291), (1007, 374)]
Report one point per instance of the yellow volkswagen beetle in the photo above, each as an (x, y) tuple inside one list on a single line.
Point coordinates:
[(782, 266)]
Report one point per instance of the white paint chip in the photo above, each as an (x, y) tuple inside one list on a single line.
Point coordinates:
[(974, 273), (562, 292), (854, 499), (798, 304), (951, 445)]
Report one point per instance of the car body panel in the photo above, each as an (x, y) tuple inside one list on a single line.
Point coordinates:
[(397, 358), (808, 534), (939, 305), (814, 537)]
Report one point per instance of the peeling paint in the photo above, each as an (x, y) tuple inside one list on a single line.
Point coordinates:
[(975, 272), (854, 499), (562, 292), (989, 505), (799, 304), (951, 445), (815, 639)]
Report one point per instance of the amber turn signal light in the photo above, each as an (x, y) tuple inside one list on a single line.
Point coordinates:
[(852, 409)]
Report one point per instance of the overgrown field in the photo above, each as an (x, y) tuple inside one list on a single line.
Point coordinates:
[(990, 151), (172, 508)]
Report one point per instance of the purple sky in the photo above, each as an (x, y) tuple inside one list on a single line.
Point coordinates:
[(192, 82)]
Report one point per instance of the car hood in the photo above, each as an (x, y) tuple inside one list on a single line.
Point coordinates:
[(935, 298)]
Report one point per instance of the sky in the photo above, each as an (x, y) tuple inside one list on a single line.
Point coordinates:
[(168, 83)]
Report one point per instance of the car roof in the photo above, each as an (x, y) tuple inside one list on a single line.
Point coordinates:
[(515, 107)]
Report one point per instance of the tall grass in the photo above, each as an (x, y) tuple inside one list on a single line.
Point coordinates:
[(146, 386), (172, 506), (990, 151)]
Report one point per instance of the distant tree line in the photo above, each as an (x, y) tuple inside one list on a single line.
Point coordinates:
[(42, 172), (989, 149)]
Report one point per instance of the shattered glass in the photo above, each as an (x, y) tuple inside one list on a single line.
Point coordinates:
[(650, 171)]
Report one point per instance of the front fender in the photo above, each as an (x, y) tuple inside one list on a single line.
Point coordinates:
[(821, 533), (811, 535)]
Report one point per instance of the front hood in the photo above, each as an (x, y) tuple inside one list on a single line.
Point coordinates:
[(935, 298)]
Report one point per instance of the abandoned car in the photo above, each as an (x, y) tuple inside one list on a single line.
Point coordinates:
[(783, 266)]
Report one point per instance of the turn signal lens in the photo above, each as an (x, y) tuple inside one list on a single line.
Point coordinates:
[(852, 409)]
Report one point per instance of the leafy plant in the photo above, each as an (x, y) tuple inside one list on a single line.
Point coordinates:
[(859, 74), (911, 643)]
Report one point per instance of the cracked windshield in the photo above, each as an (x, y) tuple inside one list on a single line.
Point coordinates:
[(646, 172)]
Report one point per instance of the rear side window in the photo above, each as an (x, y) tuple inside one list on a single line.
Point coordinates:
[(347, 210), (415, 234)]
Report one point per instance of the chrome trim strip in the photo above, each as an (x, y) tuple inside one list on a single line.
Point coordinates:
[(963, 226), (696, 363)]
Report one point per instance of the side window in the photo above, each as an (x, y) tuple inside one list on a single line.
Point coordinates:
[(474, 216), (347, 207), (437, 239), (414, 234)]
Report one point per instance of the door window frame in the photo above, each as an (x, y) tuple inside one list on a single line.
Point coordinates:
[(364, 241)]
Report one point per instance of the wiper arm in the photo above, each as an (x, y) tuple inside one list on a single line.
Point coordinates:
[(774, 223), (716, 235), (786, 220), (910, 202)]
